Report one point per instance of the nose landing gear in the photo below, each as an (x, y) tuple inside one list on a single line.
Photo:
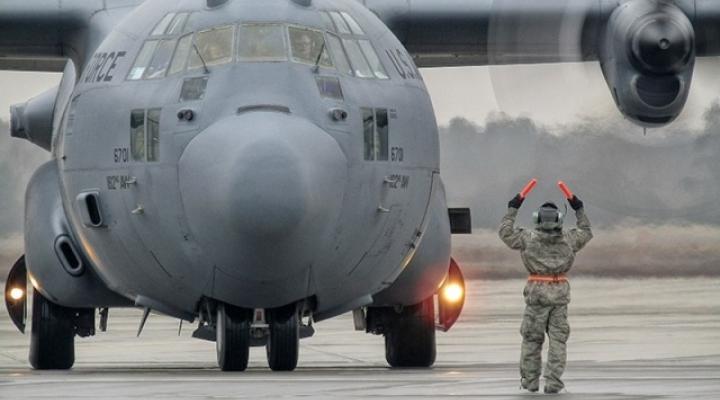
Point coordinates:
[(283, 343), (236, 329), (233, 337)]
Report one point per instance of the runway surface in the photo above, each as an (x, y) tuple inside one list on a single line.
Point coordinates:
[(631, 339)]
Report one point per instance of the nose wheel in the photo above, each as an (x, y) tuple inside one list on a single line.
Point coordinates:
[(284, 340), (233, 337)]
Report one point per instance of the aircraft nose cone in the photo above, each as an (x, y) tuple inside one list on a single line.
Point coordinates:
[(269, 192), (258, 191)]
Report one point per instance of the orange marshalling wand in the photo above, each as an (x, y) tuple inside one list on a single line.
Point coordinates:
[(528, 188), (566, 190)]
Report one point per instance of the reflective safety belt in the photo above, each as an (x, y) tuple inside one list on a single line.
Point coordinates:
[(548, 278)]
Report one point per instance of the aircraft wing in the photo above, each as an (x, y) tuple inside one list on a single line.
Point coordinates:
[(494, 32), (41, 35)]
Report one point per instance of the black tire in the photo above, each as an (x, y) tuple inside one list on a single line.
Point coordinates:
[(410, 337), (233, 337), (52, 338), (283, 345)]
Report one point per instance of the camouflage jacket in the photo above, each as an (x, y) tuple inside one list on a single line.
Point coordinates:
[(546, 253)]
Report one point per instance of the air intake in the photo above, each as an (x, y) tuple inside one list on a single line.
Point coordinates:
[(90, 211), (68, 256)]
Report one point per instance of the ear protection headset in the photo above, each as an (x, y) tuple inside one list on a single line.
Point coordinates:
[(548, 212)]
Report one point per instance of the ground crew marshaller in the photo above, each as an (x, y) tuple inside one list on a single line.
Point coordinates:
[(548, 253)]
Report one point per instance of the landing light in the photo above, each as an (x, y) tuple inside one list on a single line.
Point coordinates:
[(17, 293), (453, 292)]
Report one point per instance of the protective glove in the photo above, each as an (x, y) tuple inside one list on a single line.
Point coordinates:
[(516, 202), (575, 203)]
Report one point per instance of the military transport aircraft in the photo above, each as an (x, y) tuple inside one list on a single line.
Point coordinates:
[(259, 165)]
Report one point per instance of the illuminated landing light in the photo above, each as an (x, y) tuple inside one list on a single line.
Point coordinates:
[(17, 294), (453, 292)]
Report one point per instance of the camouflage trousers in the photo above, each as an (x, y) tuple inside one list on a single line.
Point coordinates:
[(537, 321)]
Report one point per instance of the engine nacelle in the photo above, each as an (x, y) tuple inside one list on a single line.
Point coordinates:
[(647, 56), (33, 120)]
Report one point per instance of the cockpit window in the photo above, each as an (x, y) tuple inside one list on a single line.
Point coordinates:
[(171, 24), (162, 26), (340, 23), (340, 43), (339, 55), (373, 59), (262, 42), (308, 47), (359, 64), (177, 24), (181, 54), (327, 21), (143, 59), (160, 61), (354, 26), (214, 46)]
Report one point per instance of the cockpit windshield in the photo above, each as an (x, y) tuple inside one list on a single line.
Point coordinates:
[(262, 42), (341, 45), (212, 47)]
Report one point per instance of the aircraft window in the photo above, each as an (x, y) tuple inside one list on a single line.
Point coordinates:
[(373, 59), (262, 42), (381, 134), (340, 23), (368, 118), (70, 117), (193, 89), (160, 61), (360, 65), (177, 24), (327, 21), (143, 59), (329, 87), (214, 45), (162, 26), (354, 26), (153, 134), (308, 46), (182, 52), (339, 55), (376, 130), (137, 135)]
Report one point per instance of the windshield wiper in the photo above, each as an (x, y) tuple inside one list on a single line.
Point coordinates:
[(197, 51), (316, 69)]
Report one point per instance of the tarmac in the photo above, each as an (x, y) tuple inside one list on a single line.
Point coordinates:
[(631, 339)]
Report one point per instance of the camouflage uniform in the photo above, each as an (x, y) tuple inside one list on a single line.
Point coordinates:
[(545, 253)]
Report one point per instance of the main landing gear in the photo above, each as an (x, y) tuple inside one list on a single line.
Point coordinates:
[(410, 330), (409, 333), (52, 338)]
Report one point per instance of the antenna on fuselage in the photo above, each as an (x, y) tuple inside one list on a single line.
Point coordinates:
[(145, 316), (197, 51)]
